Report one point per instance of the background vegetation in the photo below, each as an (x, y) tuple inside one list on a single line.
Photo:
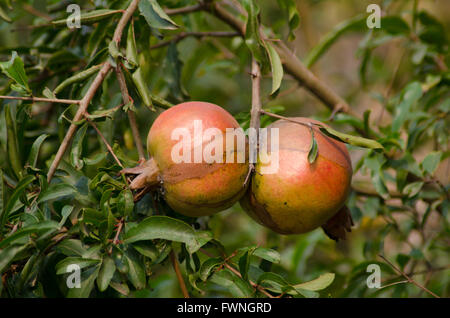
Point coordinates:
[(389, 84)]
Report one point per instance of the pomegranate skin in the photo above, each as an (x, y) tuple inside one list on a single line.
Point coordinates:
[(195, 189), (300, 196)]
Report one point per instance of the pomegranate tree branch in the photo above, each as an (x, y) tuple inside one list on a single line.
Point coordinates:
[(176, 267), (131, 115), (254, 116), (85, 101), (291, 63), (183, 35), (41, 99), (256, 95), (410, 280)]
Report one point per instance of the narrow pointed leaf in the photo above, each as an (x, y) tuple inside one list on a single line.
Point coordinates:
[(276, 66), (90, 17), (155, 15), (350, 139)]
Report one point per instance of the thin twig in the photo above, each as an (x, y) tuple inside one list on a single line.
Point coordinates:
[(115, 241), (131, 115), (84, 103), (410, 280), (176, 267), (108, 146), (42, 99), (183, 35)]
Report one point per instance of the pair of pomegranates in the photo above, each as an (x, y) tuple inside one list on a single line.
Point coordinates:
[(298, 198)]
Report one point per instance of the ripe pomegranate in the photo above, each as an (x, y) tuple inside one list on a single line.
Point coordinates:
[(193, 188), (301, 196)]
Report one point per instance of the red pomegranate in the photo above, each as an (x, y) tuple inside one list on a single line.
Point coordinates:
[(300, 196), (196, 186)]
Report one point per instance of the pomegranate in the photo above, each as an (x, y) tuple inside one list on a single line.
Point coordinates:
[(195, 186), (301, 196)]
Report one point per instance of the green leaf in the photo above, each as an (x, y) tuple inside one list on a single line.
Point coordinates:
[(413, 188), (293, 17), (137, 76), (394, 25), (77, 148), (208, 267), (65, 212), (313, 149), (2, 195), (56, 191), (244, 264), (104, 113), (354, 24), (34, 152), (350, 139), (276, 66), (11, 202), (234, 284), (411, 94), (8, 254), (78, 77), (174, 68), (61, 267), (321, 282), (114, 51), (4, 16), (15, 159), (389, 24), (131, 54), (136, 271), (126, 203), (155, 15), (163, 227), (252, 35), (71, 247), (273, 281), (142, 88), (15, 70), (267, 254), (106, 273), (23, 232), (147, 249), (431, 162), (278, 284), (90, 17)]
